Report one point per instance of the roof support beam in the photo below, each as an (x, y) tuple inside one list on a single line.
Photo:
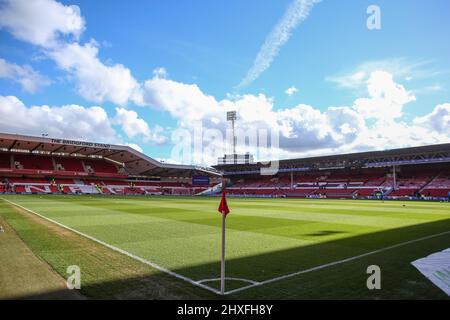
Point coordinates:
[(59, 148), (135, 160), (38, 146), (112, 154), (76, 151), (12, 145)]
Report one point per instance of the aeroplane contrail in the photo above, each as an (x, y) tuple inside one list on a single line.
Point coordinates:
[(295, 14)]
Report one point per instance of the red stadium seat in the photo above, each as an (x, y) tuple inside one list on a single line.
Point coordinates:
[(70, 164), (5, 160), (101, 166), (34, 162)]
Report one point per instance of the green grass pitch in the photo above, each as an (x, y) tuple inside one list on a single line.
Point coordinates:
[(266, 239)]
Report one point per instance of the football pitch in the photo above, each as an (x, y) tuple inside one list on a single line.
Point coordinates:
[(276, 248)]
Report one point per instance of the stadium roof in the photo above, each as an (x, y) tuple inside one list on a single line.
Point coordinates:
[(136, 163), (405, 156)]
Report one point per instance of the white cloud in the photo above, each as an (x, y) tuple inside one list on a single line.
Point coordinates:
[(304, 128), (185, 102), (76, 122), (290, 91), (40, 22), (135, 147), (372, 122), (386, 98), (160, 72), (296, 13), (387, 135), (30, 79), (301, 128), (133, 126), (438, 120), (353, 80), (404, 70), (96, 81), (69, 121)]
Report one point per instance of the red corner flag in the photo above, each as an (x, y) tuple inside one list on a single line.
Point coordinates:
[(224, 210), (223, 206)]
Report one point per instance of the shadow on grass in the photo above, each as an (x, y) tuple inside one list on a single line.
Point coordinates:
[(344, 281), (324, 233)]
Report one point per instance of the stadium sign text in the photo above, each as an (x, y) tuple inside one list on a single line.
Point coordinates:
[(81, 143)]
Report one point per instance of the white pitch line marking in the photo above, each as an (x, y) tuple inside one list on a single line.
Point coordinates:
[(145, 261), (229, 278)]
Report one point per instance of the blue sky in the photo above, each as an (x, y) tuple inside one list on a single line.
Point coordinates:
[(207, 47)]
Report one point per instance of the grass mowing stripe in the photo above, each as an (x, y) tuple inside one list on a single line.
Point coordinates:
[(162, 269), (24, 274)]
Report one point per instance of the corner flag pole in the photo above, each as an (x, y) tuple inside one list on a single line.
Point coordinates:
[(222, 263), (224, 210)]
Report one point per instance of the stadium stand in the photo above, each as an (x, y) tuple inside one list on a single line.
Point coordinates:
[(127, 187), (74, 167), (410, 173), (338, 185), (69, 164), (100, 166), (34, 162), (44, 165), (439, 186), (5, 161)]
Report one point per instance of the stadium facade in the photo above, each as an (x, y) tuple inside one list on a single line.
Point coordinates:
[(408, 173), (45, 165)]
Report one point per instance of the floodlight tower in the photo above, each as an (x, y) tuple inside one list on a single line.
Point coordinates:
[(231, 116)]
